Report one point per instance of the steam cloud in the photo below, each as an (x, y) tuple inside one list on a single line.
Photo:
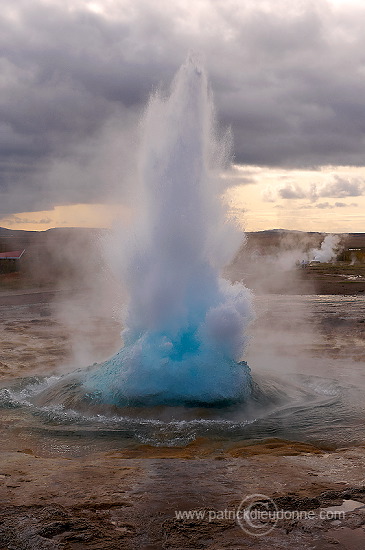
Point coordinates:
[(328, 250)]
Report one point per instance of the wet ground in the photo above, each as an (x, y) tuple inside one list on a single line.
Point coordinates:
[(108, 501), (80, 491)]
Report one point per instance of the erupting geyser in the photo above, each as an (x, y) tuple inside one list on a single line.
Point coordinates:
[(184, 333)]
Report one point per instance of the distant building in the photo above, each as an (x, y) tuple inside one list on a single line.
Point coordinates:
[(10, 261)]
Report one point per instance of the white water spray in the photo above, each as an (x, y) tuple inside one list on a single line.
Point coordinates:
[(185, 326)]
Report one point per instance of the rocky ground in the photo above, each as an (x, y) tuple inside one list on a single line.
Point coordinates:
[(109, 501)]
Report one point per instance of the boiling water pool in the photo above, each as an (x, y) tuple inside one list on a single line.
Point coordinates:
[(306, 354)]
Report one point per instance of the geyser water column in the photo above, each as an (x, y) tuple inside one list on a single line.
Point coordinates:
[(184, 333)]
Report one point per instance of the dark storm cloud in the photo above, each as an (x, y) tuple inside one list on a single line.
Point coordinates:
[(287, 77)]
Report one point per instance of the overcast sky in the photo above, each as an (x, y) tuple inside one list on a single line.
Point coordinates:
[(288, 77)]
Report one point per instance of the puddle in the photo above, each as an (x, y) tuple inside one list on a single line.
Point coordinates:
[(346, 506)]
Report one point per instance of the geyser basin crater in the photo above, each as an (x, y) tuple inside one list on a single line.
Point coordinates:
[(184, 335)]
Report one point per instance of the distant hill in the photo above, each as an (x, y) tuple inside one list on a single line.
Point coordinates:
[(285, 237), (58, 255), (264, 241), (74, 258), (12, 239)]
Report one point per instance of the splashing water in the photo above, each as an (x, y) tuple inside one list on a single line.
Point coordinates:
[(184, 335)]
